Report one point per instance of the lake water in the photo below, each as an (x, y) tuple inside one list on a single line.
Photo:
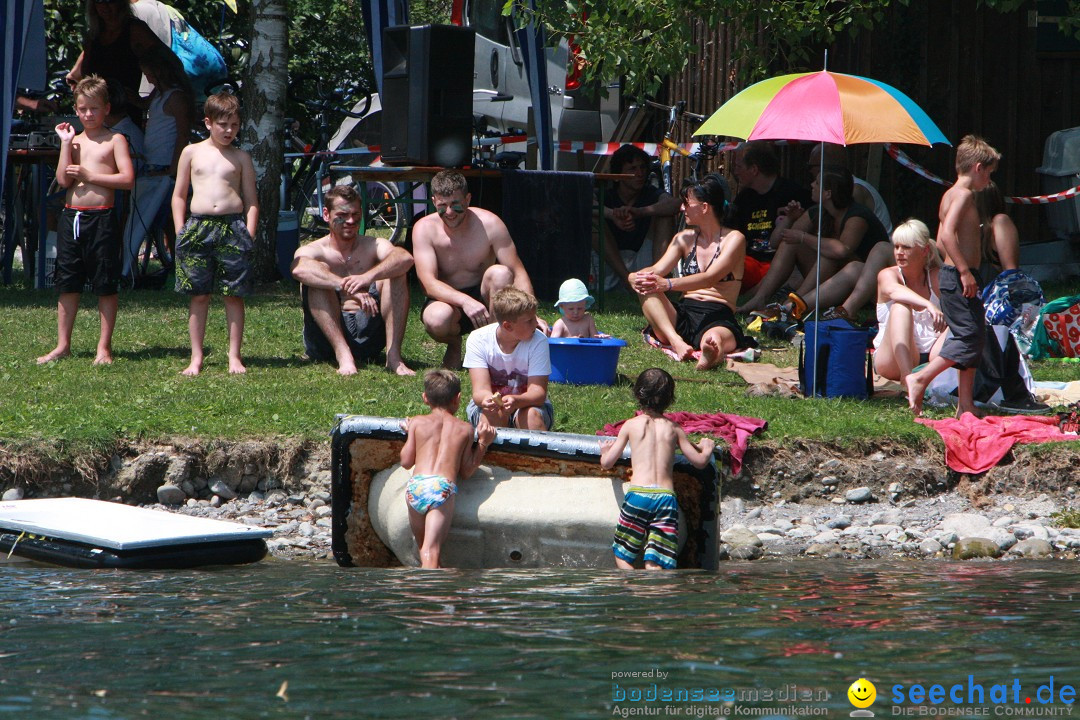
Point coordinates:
[(753, 640)]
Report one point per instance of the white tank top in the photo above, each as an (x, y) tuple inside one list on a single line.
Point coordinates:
[(925, 334), (880, 209)]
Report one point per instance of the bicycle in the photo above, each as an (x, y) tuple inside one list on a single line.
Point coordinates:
[(699, 157), (30, 192), (312, 175)]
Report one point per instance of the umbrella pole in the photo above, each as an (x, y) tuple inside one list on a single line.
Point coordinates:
[(817, 265), (817, 272)]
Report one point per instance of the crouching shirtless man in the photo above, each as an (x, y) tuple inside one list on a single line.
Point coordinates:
[(464, 255)]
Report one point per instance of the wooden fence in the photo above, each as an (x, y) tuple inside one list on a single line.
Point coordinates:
[(972, 69)]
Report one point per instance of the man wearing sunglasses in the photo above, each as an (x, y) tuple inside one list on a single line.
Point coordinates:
[(463, 255)]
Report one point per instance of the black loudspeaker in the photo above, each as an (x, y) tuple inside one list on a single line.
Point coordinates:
[(427, 95)]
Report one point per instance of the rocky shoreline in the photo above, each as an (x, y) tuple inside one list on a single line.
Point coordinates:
[(280, 484), (795, 499), (946, 526)]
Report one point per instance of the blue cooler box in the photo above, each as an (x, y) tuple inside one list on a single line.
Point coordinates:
[(584, 361)]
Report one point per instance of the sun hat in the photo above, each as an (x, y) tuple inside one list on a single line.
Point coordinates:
[(573, 290)]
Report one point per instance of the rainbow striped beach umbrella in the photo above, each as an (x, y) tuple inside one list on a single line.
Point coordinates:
[(823, 107)]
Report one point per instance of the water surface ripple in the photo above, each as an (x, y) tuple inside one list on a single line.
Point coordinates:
[(356, 643)]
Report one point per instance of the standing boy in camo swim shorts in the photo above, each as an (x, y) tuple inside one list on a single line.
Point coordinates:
[(214, 246), (439, 449), (650, 511)]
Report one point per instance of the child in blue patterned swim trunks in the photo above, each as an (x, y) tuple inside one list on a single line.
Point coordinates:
[(427, 492), (439, 449), (650, 511)]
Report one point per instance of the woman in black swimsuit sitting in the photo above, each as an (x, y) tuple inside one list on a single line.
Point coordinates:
[(710, 258)]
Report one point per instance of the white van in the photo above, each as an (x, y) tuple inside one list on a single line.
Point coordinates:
[(501, 85), (501, 97)]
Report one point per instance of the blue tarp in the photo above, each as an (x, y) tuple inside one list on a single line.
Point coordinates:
[(22, 28), (379, 15), (532, 41)]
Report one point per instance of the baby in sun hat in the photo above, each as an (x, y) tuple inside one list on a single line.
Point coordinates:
[(576, 322)]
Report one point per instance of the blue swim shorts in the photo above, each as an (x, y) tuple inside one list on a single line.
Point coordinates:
[(427, 492)]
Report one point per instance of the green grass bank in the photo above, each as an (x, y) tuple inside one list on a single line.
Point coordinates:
[(70, 407)]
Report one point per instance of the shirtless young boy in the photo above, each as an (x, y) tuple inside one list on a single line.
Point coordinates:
[(92, 165), (463, 255), (650, 511), (960, 243), (214, 246), (439, 450)]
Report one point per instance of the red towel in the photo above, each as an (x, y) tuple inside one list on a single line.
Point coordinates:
[(974, 445), (735, 430)]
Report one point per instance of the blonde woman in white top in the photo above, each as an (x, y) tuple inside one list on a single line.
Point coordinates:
[(911, 326)]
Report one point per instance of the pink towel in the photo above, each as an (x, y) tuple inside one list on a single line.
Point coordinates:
[(974, 445), (650, 339), (735, 430)]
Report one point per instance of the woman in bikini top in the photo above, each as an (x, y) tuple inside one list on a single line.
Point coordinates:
[(719, 279), (724, 289), (704, 320)]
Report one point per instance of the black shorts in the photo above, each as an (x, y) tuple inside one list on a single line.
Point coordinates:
[(966, 319), (465, 321), (87, 249), (366, 335), (693, 318)]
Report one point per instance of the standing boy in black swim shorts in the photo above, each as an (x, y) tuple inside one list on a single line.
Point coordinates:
[(214, 246), (92, 166), (960, 242)]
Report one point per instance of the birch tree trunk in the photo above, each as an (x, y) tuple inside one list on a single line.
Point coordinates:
[(265, 83)]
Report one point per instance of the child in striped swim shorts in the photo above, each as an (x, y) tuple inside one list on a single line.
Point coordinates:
[(650, 511), (439, 449)]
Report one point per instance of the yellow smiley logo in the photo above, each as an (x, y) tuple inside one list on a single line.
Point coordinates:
[(862, 693)]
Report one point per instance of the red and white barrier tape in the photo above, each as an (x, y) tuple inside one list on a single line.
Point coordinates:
[(600, 148), (901, 157), (1046, 199)]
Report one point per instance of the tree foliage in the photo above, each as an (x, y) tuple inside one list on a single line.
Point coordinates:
[(328, 48), (646, 41)]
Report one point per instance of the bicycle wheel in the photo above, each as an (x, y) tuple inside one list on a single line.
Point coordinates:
[(305, 203), (385, 216), (25, 224)]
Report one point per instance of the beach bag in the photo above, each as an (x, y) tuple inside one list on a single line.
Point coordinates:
[(843, 360), (1014, 300), (1057, 332), (202, 62), (1009, 295)]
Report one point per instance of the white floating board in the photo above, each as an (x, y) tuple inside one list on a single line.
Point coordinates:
[(116, 526)]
